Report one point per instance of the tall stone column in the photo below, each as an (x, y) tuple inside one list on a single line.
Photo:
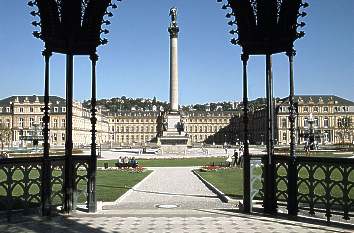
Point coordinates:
[(173, 30)]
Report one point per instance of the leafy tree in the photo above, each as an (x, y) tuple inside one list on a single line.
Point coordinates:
[(5, 136)]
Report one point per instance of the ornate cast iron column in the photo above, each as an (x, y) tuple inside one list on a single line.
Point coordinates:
[(72, 27), (92, 204), (269, 168), (292, 110), (266, 28), (68, 181), (246, 154), (46, 170), (292, 167)]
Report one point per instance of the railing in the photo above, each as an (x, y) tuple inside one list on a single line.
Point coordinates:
[(323, 185), (21, 183)]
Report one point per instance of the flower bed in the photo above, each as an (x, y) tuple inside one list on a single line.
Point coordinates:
[(211, 168)]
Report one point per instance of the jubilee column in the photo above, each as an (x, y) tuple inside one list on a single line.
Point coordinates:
[(173, 30)]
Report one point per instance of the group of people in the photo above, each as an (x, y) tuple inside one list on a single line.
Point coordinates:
[(127, 162), (236, 159)]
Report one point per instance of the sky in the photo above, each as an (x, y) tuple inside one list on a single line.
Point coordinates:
[(135, 62)]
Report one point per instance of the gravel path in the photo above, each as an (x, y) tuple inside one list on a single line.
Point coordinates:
[(171, 186)]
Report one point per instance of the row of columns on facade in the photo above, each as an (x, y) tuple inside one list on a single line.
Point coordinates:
[(269, 185), (69, 176)]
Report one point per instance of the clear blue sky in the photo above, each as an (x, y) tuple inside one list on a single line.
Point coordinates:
[(135, 62)]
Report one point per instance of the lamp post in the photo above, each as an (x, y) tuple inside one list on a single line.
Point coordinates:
[(70, 27), (264, 28)]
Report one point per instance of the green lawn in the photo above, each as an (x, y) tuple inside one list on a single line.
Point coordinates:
[(229, 181), (110, 185), (170, 162)]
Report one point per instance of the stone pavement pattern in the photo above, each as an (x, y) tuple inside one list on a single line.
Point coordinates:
[(172, 186), (228, 223)]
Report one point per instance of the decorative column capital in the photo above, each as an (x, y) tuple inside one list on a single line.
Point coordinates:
[(47, 53), (94, 57), (173, 31), (291, 53), (245, 57)]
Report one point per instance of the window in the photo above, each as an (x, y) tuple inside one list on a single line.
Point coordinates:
[(283, 123), (316, 122), (325, 109), (63, 136), (315, 109), (63, 123), (21, 109), (306, 109), (21, 122), (55, 123), (112, 128), (55, 137), (31, 122), (339, 123), (31, 109), (326, 122), (8, 123), (284, 136), (306, 122)]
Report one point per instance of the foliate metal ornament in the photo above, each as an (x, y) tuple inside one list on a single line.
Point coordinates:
[(72, 26), (266, 27)]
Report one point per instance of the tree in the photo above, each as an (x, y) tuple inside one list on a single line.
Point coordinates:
[(5, 136)]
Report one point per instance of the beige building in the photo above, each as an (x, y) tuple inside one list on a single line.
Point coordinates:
[(205, 126), (331, 116), (23, 115), (140, 127)]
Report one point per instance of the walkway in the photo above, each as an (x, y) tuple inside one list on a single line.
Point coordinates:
[(167, 222), (170, 186)]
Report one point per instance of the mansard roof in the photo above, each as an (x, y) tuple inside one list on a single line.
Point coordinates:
[(319, 99), (54, 100)]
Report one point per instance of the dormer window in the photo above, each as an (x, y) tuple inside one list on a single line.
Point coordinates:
[(7, 109), (55, 109), (63, 109)]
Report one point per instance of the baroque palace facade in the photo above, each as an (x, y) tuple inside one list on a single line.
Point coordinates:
[(23, 115), (332, 119), (139, 127)]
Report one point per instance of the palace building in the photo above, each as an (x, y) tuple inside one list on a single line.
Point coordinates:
[(24, 116), (330, 116)]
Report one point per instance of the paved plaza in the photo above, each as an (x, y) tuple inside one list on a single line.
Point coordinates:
[(170, 186), (168, 221)]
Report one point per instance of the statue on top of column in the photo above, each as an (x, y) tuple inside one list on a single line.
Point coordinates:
[(173, 14)]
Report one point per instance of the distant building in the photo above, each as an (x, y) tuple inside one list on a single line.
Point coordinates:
[(333, 120), (24, 116)]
